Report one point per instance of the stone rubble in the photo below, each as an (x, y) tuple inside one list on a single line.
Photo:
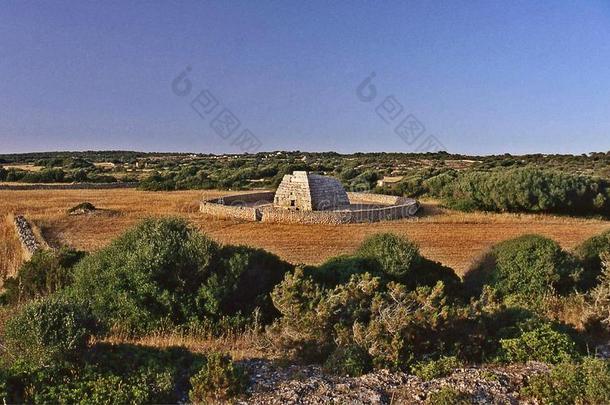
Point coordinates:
[(26, 235), (308, 385)]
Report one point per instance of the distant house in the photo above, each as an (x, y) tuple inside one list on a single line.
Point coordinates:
[(389, 181)]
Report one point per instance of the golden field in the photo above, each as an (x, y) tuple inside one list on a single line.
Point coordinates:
[(455, 239)]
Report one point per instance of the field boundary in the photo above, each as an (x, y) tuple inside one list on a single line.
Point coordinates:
[(258, 207)]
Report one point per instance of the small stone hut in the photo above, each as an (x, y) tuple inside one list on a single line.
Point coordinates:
[(310, 192)]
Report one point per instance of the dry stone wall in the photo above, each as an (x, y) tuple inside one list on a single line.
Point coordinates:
[(238, 206), (26, 236), (378, 199), (230, 211), (293, 192), (327, 193), (241, 207), (310, 192)]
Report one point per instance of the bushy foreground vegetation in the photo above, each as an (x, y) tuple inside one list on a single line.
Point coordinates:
[(384, 307)]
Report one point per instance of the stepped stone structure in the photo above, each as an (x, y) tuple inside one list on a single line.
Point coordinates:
[(303, 191), (304, 198)]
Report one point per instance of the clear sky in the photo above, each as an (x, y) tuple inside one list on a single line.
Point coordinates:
[(483, 77)]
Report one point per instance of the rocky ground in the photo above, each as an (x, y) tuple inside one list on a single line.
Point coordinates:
[(25, 234), (271, 384)]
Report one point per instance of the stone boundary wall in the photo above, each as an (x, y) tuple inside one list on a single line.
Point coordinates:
[(230, 211), (378, 199), (393, 212), (26, 236), (67, 186), (234, 206), (234, 199)]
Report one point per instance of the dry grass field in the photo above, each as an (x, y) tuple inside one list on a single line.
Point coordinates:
[(456, 239), (28, 168)]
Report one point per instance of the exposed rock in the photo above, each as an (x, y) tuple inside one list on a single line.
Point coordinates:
[(82, 208), (26, 235), (271, 384)]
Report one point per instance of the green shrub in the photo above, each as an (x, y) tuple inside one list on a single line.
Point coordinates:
[(242, 283), (395, 256), (599, 297), (449, 396), (523, 190), (308, 314), (398, 259), (530, 266), (394, 325), (49, 331), (352, 361), (150, 274), (122, 374), (542, 343), (432, 369), (164, 272), (219, 379), (46, 272), (589, 253), (338, 270), (569, 383)]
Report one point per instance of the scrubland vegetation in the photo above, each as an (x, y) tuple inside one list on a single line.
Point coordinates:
[(69, 316), (561, 184)]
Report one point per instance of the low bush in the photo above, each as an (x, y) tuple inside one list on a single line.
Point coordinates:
[(150, 274), (46, 272), (530, 266), (351, 361), (45, 332), (432, 369), (398, 259), (395, 256), (522, 190), (219, 380), (570, 383), (394, 325), (338, 270), (448, 396), (242, 282), (305, 328), (166, 273), (542, 343), (106, 374), (599, 297), (589, 253)]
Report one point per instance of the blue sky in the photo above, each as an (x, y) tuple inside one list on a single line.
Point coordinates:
[(482, 77)]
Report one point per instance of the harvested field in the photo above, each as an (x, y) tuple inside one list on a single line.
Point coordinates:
[(454, 238)]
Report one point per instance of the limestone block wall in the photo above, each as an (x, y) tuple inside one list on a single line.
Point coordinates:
[(293, 192), (306, 192), (394, 212), (241, 207), (236, 206), (327, 193), (26, 236), (235, 199), (230, 211), (386, 213), (381, 199)]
